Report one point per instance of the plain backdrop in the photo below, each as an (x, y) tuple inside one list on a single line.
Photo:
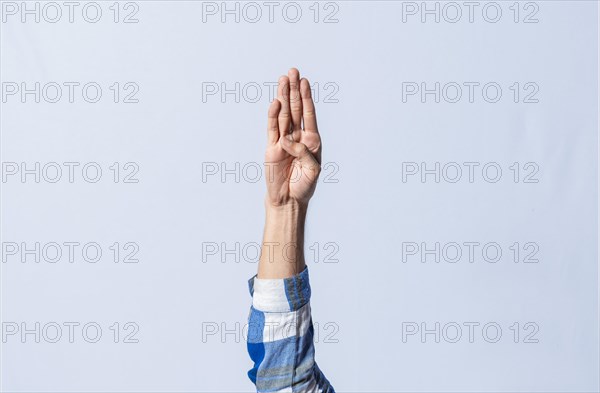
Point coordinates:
[(399, 301)]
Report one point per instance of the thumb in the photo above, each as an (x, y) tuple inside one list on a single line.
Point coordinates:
[(301, 152)]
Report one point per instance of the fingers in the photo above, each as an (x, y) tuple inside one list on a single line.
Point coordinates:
[(295, 99), (272, 122), (308, 107), (301, 152), (283, 95)]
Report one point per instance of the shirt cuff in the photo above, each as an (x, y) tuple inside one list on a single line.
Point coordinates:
[(280, 295)]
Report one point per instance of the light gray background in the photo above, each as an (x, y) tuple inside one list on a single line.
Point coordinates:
[(360, 302)]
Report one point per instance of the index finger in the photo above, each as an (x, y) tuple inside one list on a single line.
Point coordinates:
[(309, 117)]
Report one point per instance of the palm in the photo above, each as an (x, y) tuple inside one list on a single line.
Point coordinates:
[(287, 176)]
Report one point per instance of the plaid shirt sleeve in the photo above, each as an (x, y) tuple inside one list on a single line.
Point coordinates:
[(280, 337)]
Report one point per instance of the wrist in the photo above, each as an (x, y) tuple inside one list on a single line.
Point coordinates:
[(289, 210)]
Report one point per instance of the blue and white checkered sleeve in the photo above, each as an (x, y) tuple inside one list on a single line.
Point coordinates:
[(280, 337)]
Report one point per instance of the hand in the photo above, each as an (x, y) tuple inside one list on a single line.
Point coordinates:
[(293, 156)]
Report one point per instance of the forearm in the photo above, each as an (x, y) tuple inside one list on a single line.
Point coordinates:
[(282, 254)]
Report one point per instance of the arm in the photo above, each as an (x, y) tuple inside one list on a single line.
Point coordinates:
[(280, 330)]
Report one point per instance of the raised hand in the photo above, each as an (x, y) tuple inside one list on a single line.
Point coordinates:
[(293, 156)]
